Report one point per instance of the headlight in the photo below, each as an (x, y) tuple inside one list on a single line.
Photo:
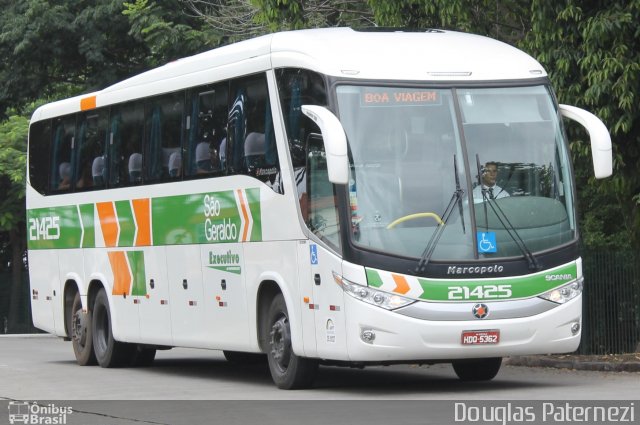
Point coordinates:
[(564, 293), (372, 296)]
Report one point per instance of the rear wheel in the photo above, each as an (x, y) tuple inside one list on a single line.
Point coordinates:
[(288, 370), (477, 369), (79, 325), (109, 352)]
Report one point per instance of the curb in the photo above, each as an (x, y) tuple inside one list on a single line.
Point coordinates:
[(535, 361)]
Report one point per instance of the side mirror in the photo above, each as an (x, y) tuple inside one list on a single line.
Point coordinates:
[(335, 142), (600, 139)]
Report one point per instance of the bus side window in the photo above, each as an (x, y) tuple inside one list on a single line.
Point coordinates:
[(125, 151), (251, 140), (61, 155), (299, 87), (206, 130), (39, 144), (163, 121), (91, 149), (323, 211)]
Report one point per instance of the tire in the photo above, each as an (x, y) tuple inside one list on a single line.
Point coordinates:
[(143, 356), (80, 331), (477, 369), (242, 358), (288, 370), (109, 352)]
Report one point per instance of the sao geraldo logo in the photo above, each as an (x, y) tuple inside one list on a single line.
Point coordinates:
[(22, 412)]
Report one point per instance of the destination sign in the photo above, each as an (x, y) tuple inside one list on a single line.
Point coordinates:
[(392, 96)]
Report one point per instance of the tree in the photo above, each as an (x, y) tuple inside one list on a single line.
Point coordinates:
[(240, 19), (169, 33), (13, 146), (50, 45), (592, 51), (504, 20)]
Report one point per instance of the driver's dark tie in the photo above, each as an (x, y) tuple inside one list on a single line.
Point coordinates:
[(491, 193)]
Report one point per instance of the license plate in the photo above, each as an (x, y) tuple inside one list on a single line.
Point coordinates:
[(480, 337)]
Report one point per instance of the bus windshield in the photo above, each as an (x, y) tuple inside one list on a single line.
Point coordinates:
[(486, 168)]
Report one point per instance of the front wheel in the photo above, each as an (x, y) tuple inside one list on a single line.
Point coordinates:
[(109, 352), (288, 370), (477, 369), (80, 332)]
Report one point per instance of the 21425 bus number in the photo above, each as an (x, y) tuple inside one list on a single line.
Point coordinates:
[(44, 228), (479, 292)]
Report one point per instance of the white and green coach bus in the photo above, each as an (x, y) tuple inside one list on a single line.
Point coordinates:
[(320, 196)]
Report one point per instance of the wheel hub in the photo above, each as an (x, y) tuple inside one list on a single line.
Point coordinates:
[(79, 327), (280, 342)]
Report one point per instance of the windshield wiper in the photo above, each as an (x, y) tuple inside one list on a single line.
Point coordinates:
[(456, 198), (506, 224)]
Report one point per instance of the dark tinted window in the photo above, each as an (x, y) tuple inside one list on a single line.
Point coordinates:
[(207, 130), (125, 150), (39, 143), (89, 160), (61, 171), (299, 87), (163, 128), (251, 141)]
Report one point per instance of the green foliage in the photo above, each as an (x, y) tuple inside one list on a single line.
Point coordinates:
[(505, 20), (168, 33), (280, 14), (297, 14), (49, 45), (13, 147), (591, 50)]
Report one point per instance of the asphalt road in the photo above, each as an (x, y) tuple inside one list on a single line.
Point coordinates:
[(43, 368)]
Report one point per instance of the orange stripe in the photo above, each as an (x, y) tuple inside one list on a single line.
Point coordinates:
[(245, 214), (88, 103), (121, 274), (402, 287), (141, 211), (108, 223)]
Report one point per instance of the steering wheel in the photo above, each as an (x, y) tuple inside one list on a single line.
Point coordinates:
[(397, 221)]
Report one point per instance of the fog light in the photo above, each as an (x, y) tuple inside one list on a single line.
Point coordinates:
[(575, 328), (368, 336)]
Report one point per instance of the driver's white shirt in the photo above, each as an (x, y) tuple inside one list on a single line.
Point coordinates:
[(498, 193)]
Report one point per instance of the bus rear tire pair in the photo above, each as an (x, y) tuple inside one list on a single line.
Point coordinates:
[(92, 337)]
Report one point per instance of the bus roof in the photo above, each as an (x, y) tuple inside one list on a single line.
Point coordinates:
[(432, 55)]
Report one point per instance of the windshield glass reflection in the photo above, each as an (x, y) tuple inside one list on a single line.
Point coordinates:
[(407, 155)]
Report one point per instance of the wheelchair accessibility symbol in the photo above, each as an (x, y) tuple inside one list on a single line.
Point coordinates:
[(487, 242), (313, 250)]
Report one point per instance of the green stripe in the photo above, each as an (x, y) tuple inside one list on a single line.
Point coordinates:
[(177, 220), (127, 225), (230, 269), (136, 262), (489, 289), (521, 287), (253, 198), (373, 278), (87, 217)]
